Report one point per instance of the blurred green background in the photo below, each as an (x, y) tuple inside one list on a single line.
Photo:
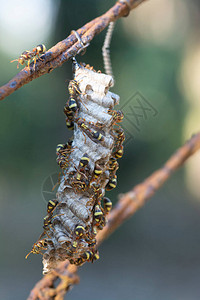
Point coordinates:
[(155, 52)]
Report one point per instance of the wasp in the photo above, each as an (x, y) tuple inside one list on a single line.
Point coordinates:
[(82, 124), (120, 136), (70, 124), (86, 256), (113, 165), (98, 214), (84, 161), (107, 204), (72, 104), (80, 176), (91, 133), (98, 193), (91, 240), (79, 231), (100, 223), (69, 117), (38, 247), (74, 91), (51, 206), (62, 162), (93, 199), (80, 182), (48, 222), (97, 171), (74, 245), (68, 112), (60, 148), (73, 88), (95, 256), (27, 56), (117, 116), (95, 187), (78, 262), (69, 143), (119, 152), (112, 183), (64, 149), (97, 135), (71, 249)]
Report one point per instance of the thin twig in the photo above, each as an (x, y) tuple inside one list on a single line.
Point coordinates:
[(67, 48), (106, 50), (128, 204)]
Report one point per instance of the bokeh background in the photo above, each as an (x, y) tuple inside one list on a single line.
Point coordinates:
[(155, 54)]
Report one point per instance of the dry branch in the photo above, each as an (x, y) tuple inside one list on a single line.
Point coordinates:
[(128, 204), (67, 48), (44, 289)]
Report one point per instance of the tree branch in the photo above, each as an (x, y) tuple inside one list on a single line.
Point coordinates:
[(127, 205), (44, 289), (67, 48)]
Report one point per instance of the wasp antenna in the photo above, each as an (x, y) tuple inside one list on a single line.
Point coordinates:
[(13, 60), (28, 254)]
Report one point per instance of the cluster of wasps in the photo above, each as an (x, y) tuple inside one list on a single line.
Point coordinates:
[(83, 177)]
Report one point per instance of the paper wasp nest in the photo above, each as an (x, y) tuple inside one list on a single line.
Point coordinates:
[(89, 164)]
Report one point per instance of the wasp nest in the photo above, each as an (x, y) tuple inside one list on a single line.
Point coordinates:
[(89, 164)]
